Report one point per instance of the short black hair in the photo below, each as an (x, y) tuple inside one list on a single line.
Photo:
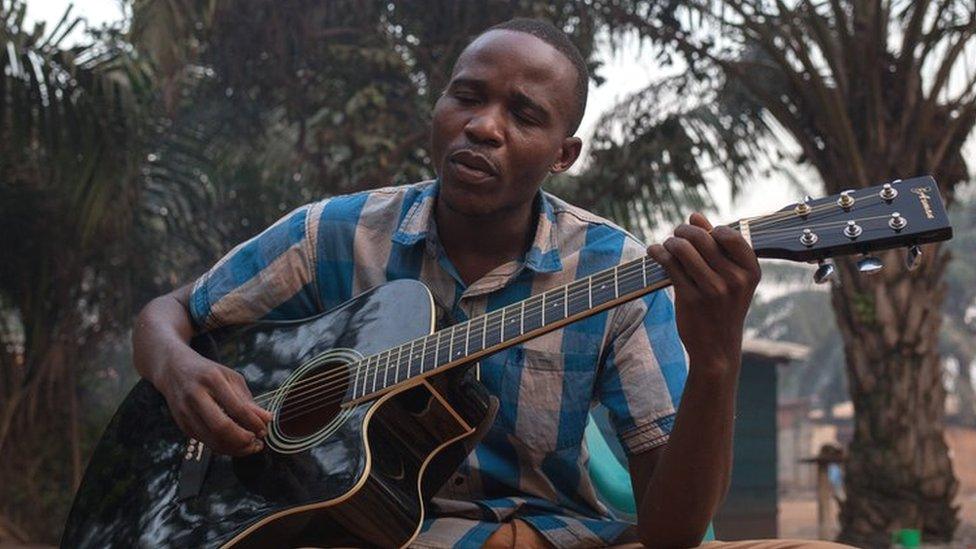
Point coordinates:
[(548, 33)]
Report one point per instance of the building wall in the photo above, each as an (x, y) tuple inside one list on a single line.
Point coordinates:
[(750, 509)]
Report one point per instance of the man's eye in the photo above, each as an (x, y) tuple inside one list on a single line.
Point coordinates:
[(525, 118), (465, 99)]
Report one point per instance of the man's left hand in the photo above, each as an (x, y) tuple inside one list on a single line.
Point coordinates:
[(715, 273)]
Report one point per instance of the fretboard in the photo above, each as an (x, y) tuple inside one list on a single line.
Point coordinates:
[(494, 331)]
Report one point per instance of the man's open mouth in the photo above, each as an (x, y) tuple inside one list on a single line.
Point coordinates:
[(471, 165)]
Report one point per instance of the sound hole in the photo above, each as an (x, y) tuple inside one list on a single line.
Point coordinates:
[(313, 400)]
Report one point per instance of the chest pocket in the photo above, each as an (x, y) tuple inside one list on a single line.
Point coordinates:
[(554, 394)]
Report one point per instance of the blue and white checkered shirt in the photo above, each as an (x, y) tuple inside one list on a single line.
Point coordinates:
[(532, 463)]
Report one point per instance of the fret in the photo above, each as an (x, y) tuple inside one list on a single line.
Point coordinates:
[(396, 370), (420, 360), (355, 379), (437, 348), (543, 308), (366, 371), (410, 356), (428, 341), (467, 339), (553, 308), (501, 328), (374, 369), (616, 281), (589, 291), (572, 305), (511, 323), (363, 373), (386, 370), (644, 269), (457, 334), (522, 319), (376, 373), (565, 301), (484, 331), (450, 343), (396, 373), (449, 332)]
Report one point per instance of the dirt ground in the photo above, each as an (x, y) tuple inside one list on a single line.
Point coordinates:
[(798, 519)]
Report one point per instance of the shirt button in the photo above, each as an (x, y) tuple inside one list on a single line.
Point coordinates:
[(458, 480)]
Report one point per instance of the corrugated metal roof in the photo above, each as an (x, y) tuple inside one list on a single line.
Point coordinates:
[(768, 348)]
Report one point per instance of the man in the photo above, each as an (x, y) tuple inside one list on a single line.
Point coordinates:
[(481, 237)]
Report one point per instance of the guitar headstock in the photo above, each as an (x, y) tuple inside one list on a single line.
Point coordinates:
[(896, 214)]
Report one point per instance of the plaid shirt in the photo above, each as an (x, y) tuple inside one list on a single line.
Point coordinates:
[(532, 463)]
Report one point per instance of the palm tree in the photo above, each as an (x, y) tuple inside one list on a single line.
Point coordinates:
[(72, 120), (188, 133), (867, 91)]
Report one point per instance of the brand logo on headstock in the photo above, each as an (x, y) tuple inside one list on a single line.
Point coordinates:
[(924, 198)]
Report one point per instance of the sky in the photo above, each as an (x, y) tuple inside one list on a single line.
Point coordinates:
[(626, 71)]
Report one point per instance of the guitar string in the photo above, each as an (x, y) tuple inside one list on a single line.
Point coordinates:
[(446, 343), (493, 319), (440, 344), (761, 222), (296, 411), (292, 411)]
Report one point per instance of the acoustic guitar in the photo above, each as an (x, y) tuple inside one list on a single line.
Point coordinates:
[(374, 410)]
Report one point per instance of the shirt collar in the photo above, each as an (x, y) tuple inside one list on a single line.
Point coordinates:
[(543, 256)]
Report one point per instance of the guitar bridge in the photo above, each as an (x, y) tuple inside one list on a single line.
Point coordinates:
[(193, 470)]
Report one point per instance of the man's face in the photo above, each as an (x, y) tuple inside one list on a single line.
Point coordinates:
[(501, 124)]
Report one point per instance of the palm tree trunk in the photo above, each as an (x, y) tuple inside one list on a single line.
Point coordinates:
[(899, 474)]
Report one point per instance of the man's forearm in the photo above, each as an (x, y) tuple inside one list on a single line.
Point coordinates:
[(692, 475), (162, 325)]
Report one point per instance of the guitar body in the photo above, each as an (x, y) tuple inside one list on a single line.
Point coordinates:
[(353, 476)]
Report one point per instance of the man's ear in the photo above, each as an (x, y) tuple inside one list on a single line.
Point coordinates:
[(568, 153)]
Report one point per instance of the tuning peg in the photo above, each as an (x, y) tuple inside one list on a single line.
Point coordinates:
[(824, 273), (869, 265), (888, 192), (803, 208), (913, 256)]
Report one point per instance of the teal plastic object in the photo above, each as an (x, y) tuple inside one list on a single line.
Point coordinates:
[(611, 478)]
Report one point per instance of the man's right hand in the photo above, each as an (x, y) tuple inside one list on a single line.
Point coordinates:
[(209, 402), (212, 404)]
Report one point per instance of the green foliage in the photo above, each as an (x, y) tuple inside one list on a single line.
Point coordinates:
[(130, 163)]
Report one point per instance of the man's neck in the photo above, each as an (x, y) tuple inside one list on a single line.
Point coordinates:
[(477, 245)]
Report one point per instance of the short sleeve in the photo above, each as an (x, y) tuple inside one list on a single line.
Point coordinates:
[(269, 277), (644, 372)]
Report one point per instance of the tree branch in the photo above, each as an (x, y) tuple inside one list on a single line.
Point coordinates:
[(945, 68)]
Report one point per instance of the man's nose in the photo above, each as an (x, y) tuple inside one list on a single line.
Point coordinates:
[(486, 127)]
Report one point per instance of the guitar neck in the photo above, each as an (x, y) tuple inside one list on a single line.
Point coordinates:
[(487, 334)]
